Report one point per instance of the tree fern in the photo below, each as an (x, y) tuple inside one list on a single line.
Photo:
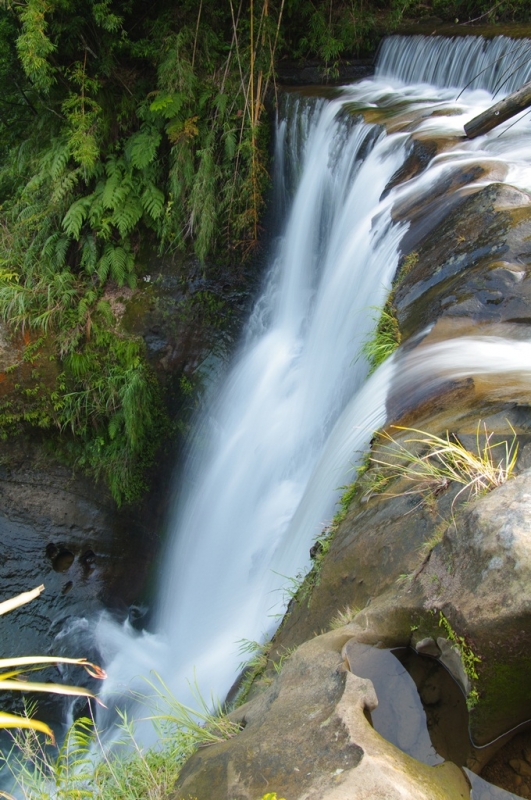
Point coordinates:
[(33, 45), (116, 263), (89, 253)]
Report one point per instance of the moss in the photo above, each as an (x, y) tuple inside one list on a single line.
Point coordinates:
[(504, 694)]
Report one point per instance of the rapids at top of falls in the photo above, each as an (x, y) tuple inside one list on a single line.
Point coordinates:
[(500, 65)]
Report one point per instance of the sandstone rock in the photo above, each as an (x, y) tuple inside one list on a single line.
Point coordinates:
[(307, 738), (428, 647), (479, 576)]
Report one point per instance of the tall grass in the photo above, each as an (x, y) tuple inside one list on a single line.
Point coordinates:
[(84, 768), (431, 463)]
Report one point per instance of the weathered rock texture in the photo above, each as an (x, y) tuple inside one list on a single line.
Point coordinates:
[(308, 738), (57, 530)]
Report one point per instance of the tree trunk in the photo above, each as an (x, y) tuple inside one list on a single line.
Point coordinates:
[(505, 109)]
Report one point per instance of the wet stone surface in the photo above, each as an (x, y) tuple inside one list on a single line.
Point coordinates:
[(474, 265)]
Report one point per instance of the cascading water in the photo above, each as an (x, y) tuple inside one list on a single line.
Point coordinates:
[(296, 410), (267, 428), (497, 65)]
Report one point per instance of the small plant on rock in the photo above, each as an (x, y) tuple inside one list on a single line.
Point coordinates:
[(433, 462), (343, 617), (468, 658), (385, 339)]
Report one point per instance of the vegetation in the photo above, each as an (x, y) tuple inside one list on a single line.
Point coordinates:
[(123, 773), (468, 658), (13, 680), (385, 339), (343, 617), (433, 462), (127, 129), (253, 668)]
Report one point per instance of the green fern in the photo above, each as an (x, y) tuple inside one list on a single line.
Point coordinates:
[(142, 147), (75, 216)]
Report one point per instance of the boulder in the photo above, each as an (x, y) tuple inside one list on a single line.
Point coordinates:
[(307, 737)]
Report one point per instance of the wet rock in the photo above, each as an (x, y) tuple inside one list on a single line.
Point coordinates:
[(478, 575), (430, 694), (472, 264), (520, 767), (51, 526), (417, 160), (428, 647), (63, 560), (451, 658), (307, 736), (293, 73)]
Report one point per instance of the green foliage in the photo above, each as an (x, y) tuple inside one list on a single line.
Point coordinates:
[(384, 340), (330, 31), (127, 771), (253, 667), (128, 128), (468, 658), (343, 617)]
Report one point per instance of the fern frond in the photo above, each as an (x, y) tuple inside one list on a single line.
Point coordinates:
[(127, 215), (114, 180), (76, 215), (65, 185), (142, 147), (152, 200), (168, 105)]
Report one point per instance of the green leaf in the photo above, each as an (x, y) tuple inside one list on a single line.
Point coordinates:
[(126, 217), (168, 105), (14, 721), (142, 147), (76, 215), (152, 200)]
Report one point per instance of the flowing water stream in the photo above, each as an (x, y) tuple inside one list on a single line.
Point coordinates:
[(296, 410)]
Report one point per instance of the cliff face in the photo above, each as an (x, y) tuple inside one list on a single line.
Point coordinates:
[(433, 567), (62, 528)]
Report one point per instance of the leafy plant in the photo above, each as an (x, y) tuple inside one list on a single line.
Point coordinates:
[(254, 666), (435, 539), (468, 658), (204, 724), (343, 617), (278, 665), (14, 668), (85, 768)]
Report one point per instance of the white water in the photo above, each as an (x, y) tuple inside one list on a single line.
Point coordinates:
[(500, 65), (295, 412)]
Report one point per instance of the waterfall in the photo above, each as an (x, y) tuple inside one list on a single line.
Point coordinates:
[(296, 411), (499, 65)]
